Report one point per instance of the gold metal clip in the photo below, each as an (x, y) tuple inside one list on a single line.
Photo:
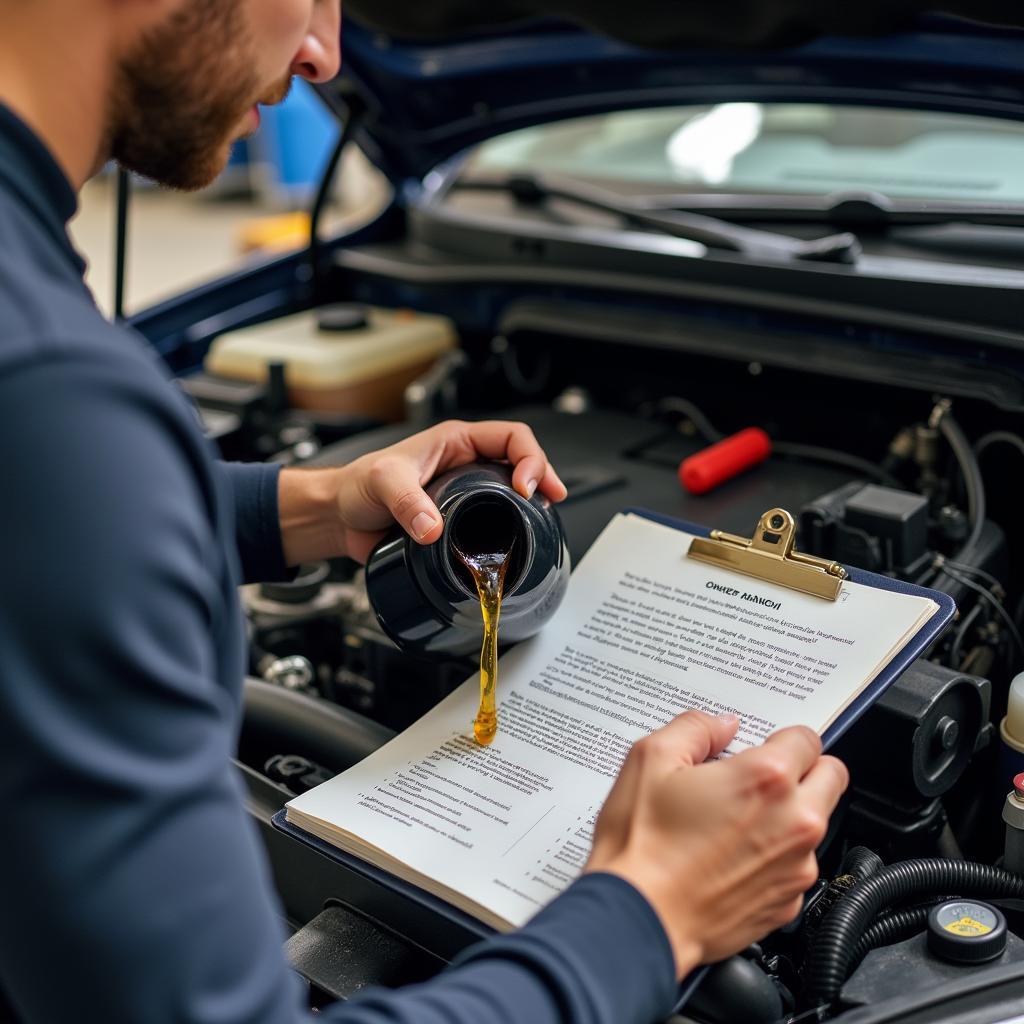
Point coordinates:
[(769, 556)]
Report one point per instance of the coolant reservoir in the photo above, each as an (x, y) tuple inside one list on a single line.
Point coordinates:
[(1012, 726), (1011, 732), (353, 359)]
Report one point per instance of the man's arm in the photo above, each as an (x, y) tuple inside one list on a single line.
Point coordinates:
[(346, 510), (129, 861), (287, 517), (255, 490), (596, 955), (128, 857), (132, 887)]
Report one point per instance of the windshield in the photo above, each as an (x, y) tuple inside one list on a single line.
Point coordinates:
[(807, 149)]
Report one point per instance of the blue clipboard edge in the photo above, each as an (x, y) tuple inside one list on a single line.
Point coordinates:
[(924, 637)]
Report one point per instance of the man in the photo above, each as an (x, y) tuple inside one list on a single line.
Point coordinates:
[(131, 885)]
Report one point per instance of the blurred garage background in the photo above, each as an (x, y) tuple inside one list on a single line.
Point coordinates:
[(177, 241)]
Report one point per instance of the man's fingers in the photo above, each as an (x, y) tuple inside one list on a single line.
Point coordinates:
[(361, 543), (537, 474), (500, 439), (504, 439), (551, 485), (396, 480), (824, 784), (723, 730), (396, 485), (613, 821), (798, 749), (691, 738), (528, 473)]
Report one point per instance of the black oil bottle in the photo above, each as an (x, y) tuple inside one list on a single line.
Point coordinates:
[(424, 596)]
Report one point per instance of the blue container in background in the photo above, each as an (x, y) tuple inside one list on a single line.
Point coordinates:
[(289, 152)]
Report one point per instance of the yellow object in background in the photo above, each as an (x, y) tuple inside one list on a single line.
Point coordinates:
[(285, 232)]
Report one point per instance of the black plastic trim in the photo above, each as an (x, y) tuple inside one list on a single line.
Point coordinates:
[(1003, 389), (938, 291), (992, 996)]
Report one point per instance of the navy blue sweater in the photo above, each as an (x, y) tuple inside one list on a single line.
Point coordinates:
[(132, 886)]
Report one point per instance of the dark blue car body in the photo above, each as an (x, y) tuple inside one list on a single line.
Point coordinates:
[(856, 349), (425, 103)]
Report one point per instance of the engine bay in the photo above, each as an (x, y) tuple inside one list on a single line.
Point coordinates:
[(882, 469)]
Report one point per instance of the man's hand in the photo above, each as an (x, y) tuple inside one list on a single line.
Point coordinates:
[(346, 511), (722, 851)]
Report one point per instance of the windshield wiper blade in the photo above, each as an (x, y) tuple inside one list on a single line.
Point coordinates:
[(852, 209), (714, 232)]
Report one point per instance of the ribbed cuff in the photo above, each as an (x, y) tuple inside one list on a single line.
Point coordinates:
[(257, 520), (602, 950)]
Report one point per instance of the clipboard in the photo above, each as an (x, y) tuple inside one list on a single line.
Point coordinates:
[(771, 558), (769, 555)]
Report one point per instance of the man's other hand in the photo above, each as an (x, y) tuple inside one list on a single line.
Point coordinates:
[(723, 851), (347, 511)]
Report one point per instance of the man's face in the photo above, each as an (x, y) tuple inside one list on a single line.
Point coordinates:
[(190, 86)]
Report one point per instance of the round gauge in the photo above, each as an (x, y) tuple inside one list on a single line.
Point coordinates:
[(966, 931)]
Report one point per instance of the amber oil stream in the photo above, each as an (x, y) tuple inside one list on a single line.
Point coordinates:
[(488, 570)]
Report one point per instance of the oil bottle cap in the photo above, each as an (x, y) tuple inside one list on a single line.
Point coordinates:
[(966, 932)]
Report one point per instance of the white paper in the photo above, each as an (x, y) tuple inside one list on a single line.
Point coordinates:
[(644, 634)]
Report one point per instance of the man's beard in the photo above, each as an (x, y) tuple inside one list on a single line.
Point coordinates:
[(182, 93)]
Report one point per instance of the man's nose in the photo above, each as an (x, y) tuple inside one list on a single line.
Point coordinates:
[(319, 57)]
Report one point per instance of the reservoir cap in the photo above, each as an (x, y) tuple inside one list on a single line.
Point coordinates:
[(342, 317), (966, 932)]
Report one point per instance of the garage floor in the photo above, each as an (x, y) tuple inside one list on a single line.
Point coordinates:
[(177, 241)]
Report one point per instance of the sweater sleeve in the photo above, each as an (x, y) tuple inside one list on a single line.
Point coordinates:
[(597, 954), (134, 887), (257, 521)]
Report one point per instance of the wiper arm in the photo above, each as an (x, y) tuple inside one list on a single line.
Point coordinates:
[(711, 231), (851, 209)]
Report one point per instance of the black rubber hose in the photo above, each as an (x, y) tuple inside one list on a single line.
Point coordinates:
[(861, 863), (971, 471), (854, 463), (279, 721), (890, 928), (835, 945), (857, 864)]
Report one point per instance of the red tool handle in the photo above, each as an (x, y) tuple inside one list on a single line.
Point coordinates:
[(724, 460)]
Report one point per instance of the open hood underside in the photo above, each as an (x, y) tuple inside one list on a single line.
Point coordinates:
[(660, 24), (433, 79)]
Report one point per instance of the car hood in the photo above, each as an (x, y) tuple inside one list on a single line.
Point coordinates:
[(432, 79)]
